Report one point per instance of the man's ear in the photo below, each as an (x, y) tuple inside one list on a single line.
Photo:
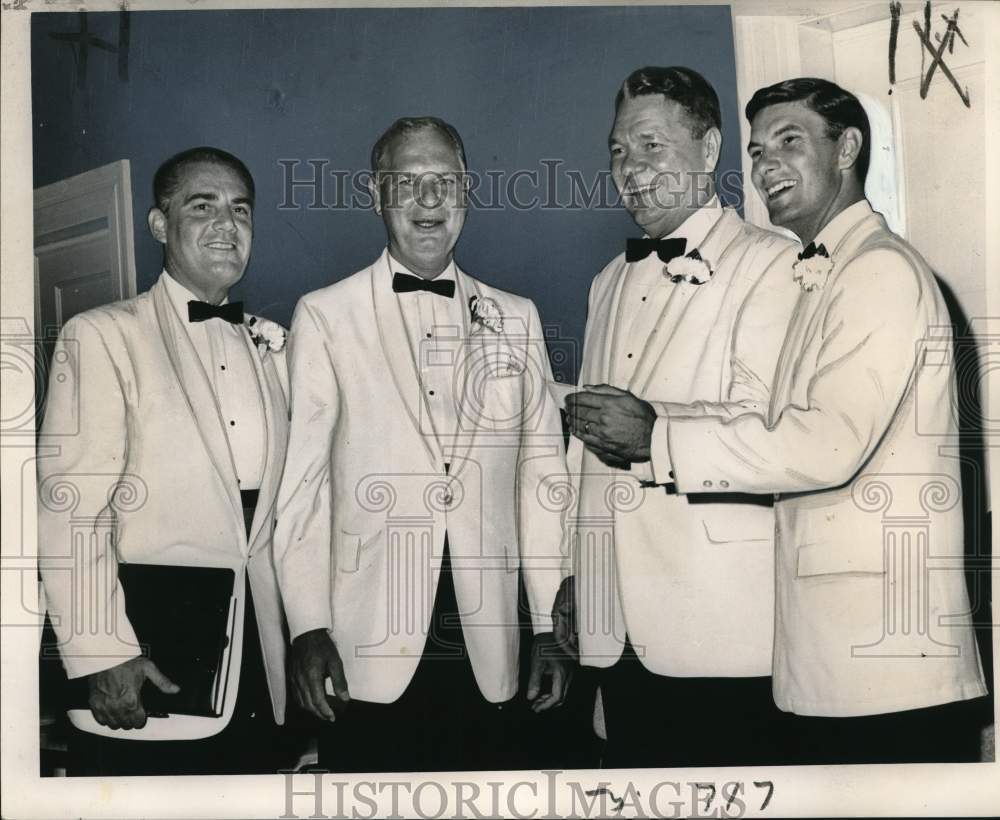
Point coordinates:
[(373, 189), (849, 149), (711, 145), (157, 221)]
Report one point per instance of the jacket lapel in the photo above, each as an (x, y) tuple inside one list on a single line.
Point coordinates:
[(198, 394), (712, 249), (402, 359), (809, 309), (608, 333), (272, 398), (467, 411)]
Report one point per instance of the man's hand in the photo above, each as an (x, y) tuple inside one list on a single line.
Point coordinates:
[(314, 659), (614, 424), (564, 618), (115, 699), (547, 659)]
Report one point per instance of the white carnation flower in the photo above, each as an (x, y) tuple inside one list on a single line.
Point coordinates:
[(690, 268), (812, 273), (267, 333), (486, 312)]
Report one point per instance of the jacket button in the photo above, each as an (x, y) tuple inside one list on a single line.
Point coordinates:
[(723, 483), (706, 483)]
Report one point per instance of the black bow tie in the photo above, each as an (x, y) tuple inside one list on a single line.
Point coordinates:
[(812, 249), (200, 311), (405, 283), (666, 249)]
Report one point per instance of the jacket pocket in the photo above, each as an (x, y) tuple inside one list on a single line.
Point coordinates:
[(828, 558), (351, 547), (756, 525)]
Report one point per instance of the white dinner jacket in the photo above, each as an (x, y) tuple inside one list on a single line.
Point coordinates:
[(691, 584), (136, 410), (365, 501), (872, 613)]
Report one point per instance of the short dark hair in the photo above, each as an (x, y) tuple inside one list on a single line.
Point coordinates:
[(687, 88), (840, 108), (167, 179), (407, 125)]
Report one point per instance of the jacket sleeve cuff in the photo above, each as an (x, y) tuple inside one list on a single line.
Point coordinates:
[(659, 451), (92, 657), (641, 470), (542, 623), (301, 622)]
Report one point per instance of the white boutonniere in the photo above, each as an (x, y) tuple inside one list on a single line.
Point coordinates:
[(812, 273), (689, 268), (486, 313), (812, 267), (267, 335)]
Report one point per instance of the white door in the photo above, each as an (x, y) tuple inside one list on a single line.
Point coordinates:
[(83, 246)]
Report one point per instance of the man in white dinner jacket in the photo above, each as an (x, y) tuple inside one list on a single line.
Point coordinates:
[(675, 600), (423, 467), (873, 642), (177, 402)]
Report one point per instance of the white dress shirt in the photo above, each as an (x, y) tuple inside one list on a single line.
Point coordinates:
[(435, 326), (224, 351), (648, 295)]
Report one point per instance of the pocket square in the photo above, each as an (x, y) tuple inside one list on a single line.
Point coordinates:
[(503, 364)]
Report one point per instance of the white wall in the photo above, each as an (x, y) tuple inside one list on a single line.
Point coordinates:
[(940, 142)]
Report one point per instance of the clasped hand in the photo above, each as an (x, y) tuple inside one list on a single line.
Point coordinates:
[(613, 423)]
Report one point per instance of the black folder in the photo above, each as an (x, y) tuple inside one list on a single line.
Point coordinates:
[(183, 618)]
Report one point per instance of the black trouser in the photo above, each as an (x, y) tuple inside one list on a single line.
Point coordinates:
[(248, 745), (657, 720), (441, 722), (948, 733)]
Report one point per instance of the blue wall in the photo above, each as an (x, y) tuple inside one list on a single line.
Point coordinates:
[(521, 85)]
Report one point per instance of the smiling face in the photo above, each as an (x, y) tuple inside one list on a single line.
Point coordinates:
[(662, 173), (206, 230), (421, 199), (803, 175)]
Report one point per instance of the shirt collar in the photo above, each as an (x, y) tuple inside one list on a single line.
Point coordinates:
[(837, 228), (394, 266), (696, 227), (180, 295)]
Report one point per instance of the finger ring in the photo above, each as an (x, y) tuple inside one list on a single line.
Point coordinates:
[(586, 428)]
